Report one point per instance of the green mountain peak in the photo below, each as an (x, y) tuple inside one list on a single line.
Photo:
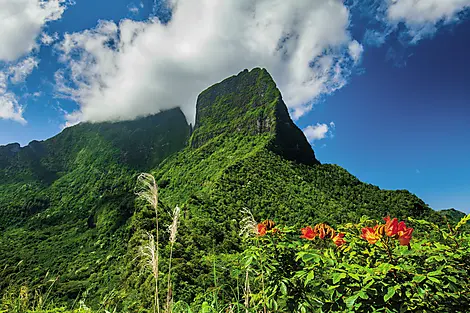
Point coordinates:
[(250, 104)]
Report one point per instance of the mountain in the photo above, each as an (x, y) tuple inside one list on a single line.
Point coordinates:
[(249, 104), (452, 215), (84, 151), (68, 209)]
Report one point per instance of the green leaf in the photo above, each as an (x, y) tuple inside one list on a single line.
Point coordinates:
[(355, 276), (351, 300), (418, 278), (205, 307), (283, 289), (337, 277), (434, 280), (390, 293), (363, 295), (435, 273), (310, 276), (310, 256)]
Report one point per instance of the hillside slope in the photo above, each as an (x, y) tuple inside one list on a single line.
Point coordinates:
[(67, 205)]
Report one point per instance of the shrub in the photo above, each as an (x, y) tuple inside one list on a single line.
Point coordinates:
[(389, 268)]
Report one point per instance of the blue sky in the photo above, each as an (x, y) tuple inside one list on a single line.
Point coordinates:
[(380, 88), (406, 127)]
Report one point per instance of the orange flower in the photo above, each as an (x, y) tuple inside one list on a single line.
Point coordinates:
[(321, 233), (404, 234), (368, 233), (379, 230), (269, 224), (324, 231), (338, 239), (391, 226), (261, 229), (308, 233)]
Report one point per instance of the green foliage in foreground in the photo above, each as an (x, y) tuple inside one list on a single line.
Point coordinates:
[(280, 272), (432, 275)]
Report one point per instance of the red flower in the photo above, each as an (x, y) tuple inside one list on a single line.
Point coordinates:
[(338, 239), (391, 226), (404, 234), (369, 234), (308, 233), (261, 229)]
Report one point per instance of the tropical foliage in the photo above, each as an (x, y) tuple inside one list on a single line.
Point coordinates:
[(382, 268)]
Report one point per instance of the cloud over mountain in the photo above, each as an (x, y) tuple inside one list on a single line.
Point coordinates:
[(121, 71)]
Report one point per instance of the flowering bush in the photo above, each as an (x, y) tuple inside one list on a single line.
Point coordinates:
[(365, 267), (391, 229)]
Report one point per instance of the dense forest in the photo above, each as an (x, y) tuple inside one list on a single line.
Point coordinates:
[(72, 227)]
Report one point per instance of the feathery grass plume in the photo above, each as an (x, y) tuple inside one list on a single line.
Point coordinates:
[(147, 190), (173, 229), (150, 255), (248, 224)]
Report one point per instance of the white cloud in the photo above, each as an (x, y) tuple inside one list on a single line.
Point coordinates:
[(3, 82), (10, 108), (48, 40), (355, 50), (317, 132), (423, 16), (414, 12), (71, 119), (332, 129), (22, 70), (21, 22), (123, 71)]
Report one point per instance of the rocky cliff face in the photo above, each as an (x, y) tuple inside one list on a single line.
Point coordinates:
[(250, 104)]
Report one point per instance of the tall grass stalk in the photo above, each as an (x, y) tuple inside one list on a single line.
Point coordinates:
[(173, 229), (249, 228), (148, 191), (43, 302), (150, 254), (247, 291)]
